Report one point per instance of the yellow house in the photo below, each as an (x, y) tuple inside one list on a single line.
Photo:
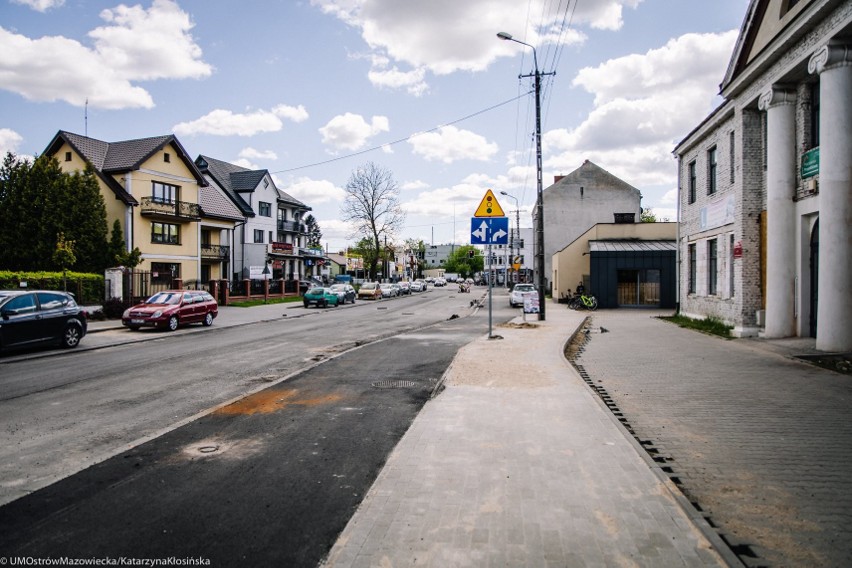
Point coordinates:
[(153, 188)]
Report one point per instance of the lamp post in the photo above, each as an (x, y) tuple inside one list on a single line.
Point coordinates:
[(517, 235), (539, 224)]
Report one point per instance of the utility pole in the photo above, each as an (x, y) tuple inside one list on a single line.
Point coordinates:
[(539, 224)]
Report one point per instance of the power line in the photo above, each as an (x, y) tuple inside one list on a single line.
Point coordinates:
[(409, 137)]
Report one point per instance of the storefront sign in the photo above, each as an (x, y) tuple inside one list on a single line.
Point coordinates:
[(810, 163), (281, 248)]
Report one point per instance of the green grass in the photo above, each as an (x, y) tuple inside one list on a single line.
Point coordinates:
[(260, 302), (709, 325)]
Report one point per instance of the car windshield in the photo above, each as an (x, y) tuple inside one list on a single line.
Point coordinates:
[(165, 298), (337, 288), (369, 286), (316, 290), (524, 288)]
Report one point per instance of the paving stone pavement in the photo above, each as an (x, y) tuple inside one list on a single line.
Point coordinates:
[(518, 463), (762, 443)]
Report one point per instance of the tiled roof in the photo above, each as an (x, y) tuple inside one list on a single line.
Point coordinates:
[(215, 204), (221, 172), (130, 154), (287, 198), (247, 180)]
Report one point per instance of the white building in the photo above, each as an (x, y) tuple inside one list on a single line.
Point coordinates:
[(765, 205), (580, 200)]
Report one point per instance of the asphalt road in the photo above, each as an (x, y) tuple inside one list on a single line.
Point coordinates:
[(270, 479)]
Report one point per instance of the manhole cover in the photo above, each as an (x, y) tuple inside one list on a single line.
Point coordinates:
[(394, 384)]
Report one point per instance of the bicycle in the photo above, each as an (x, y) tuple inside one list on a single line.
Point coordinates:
[(583, 302)]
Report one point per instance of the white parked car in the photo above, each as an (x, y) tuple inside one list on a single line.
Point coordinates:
[(389, 290), (440, 281), (519, 292), (418, 286)]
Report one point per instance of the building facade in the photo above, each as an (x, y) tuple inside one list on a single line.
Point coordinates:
[(580, 200), (765, 195), (273, 235), (153, 188)]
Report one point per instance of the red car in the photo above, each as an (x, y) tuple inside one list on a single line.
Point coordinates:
[(172, 308)]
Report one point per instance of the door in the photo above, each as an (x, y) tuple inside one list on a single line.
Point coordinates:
[(52, 313), (639, 288), (814, 278), (20, 321)]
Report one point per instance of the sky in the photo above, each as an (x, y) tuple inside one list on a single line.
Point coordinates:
[(312, 90)]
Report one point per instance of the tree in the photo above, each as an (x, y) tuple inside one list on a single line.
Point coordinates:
[(118, 251), (372, 207), (63, 257), (38, 201), (647, 215), (463, 262), (314, 232)]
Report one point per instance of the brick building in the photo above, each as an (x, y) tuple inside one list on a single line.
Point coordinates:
[(765, 203)]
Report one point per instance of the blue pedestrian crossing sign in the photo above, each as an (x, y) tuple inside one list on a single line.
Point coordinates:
[(489, 230)]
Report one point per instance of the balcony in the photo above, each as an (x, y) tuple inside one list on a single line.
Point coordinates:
[(180, 210), (292, 227), (215, 252)]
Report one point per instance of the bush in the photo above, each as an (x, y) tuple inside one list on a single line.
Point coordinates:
[(87, 288), (114, 307)]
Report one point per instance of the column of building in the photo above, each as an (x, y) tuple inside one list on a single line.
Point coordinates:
[(781, 160), (833, 63)]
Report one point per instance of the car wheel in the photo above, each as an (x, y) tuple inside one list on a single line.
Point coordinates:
[(306, 305), (72, 335), (173, 323), (208, 319), (323, 304)]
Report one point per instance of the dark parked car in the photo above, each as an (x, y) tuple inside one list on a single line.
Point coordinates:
[(345, 292), (171, 308), (33, 317)]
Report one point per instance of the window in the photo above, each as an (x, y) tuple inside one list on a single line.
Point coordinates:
[(164, 193), (265, 209), (166, 157), (814, 116), (711, 171), (731, 265), (270, 237), (712, 277), (67, 156), (165, 233), (732, 154), (692, 181), (258, 235), (693, 265)]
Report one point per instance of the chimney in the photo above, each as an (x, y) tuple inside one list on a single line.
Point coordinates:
[(557, 178)]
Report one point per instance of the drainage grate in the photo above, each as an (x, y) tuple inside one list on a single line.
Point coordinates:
[(394, 384)]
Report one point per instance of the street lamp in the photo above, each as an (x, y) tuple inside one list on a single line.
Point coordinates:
[(516, 239), (539, 224)]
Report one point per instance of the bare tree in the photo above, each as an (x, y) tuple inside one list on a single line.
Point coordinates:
[(372, 206)]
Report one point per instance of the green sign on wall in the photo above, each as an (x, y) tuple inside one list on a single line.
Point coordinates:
[(810, 163)]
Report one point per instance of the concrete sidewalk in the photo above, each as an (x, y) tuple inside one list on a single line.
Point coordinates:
[(517, 463)]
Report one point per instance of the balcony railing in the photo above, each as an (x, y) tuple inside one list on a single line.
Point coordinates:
[(172, 209), (292, 226), (220, 252)]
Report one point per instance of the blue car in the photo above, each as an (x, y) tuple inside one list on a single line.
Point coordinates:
[(320, 297)]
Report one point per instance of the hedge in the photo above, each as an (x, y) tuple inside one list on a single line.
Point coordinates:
[(88, 288)]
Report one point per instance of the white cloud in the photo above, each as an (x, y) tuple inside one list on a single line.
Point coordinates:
[(40, 5), (450, 144), (460, 200), (314, 192), (351, 132), (134, 45), (644, 103), (222, 122), (252, 154), (9, 141), (444, 36), (670, 197), (414, 185), (334, 231), (295, 114)]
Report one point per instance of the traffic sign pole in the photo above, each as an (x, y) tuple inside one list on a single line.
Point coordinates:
[(490, 288)]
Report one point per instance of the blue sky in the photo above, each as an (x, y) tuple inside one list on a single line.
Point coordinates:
[(311, 90)]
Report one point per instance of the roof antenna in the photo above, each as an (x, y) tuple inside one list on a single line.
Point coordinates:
[(86, 118)]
